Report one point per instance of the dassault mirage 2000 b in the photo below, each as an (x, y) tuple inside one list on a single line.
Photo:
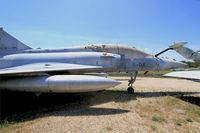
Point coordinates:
[(64, 70)]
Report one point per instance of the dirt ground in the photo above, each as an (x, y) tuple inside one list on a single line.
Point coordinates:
[(159, 105)]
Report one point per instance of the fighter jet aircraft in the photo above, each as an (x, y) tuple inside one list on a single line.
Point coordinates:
[(188, 54), (64, 70)]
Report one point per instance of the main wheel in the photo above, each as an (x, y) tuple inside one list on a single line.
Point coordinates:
[(130, 90)]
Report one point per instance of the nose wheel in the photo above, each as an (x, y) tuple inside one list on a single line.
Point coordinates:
[(133, 76), (130, 90)]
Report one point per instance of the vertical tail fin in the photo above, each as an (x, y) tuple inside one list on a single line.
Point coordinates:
[(9, 43), (182, 50)]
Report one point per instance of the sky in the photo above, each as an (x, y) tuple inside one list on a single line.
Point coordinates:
[(150, 25)]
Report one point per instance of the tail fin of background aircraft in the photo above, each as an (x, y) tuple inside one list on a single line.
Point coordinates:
[(9, 43), (181, 49)]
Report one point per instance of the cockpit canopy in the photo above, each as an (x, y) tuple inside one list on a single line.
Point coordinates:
[(128, 52)]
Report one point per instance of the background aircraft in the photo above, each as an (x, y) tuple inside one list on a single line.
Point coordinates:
[(188, 54), (64, 70)]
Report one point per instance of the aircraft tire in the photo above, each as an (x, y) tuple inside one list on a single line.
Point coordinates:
[(130, 90)]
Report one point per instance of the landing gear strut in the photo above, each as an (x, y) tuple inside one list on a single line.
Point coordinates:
[(133, 76)]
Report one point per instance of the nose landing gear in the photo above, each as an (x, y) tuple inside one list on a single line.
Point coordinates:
[(133, 76)]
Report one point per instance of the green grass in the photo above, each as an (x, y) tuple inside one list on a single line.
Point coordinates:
[(189, 120), (195, 111), (153, 127), (157, 118), (179, 122), (6, 124)]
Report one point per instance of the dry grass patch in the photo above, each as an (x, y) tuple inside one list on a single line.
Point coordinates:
[(116, 111), (108, 128)]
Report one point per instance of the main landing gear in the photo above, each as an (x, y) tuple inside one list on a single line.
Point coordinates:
[(133, 76)]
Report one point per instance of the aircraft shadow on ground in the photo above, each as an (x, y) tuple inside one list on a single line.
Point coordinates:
[(91, 111), (17, 106), (190, 99)]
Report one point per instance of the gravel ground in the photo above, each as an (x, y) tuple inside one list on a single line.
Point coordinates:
[(161, 84), (155, 107)]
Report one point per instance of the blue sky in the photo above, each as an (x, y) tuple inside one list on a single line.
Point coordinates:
[(150, 25)]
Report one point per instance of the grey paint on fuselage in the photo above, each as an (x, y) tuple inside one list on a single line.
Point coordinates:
[(84, 58), (116, 57), (110, 62)]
